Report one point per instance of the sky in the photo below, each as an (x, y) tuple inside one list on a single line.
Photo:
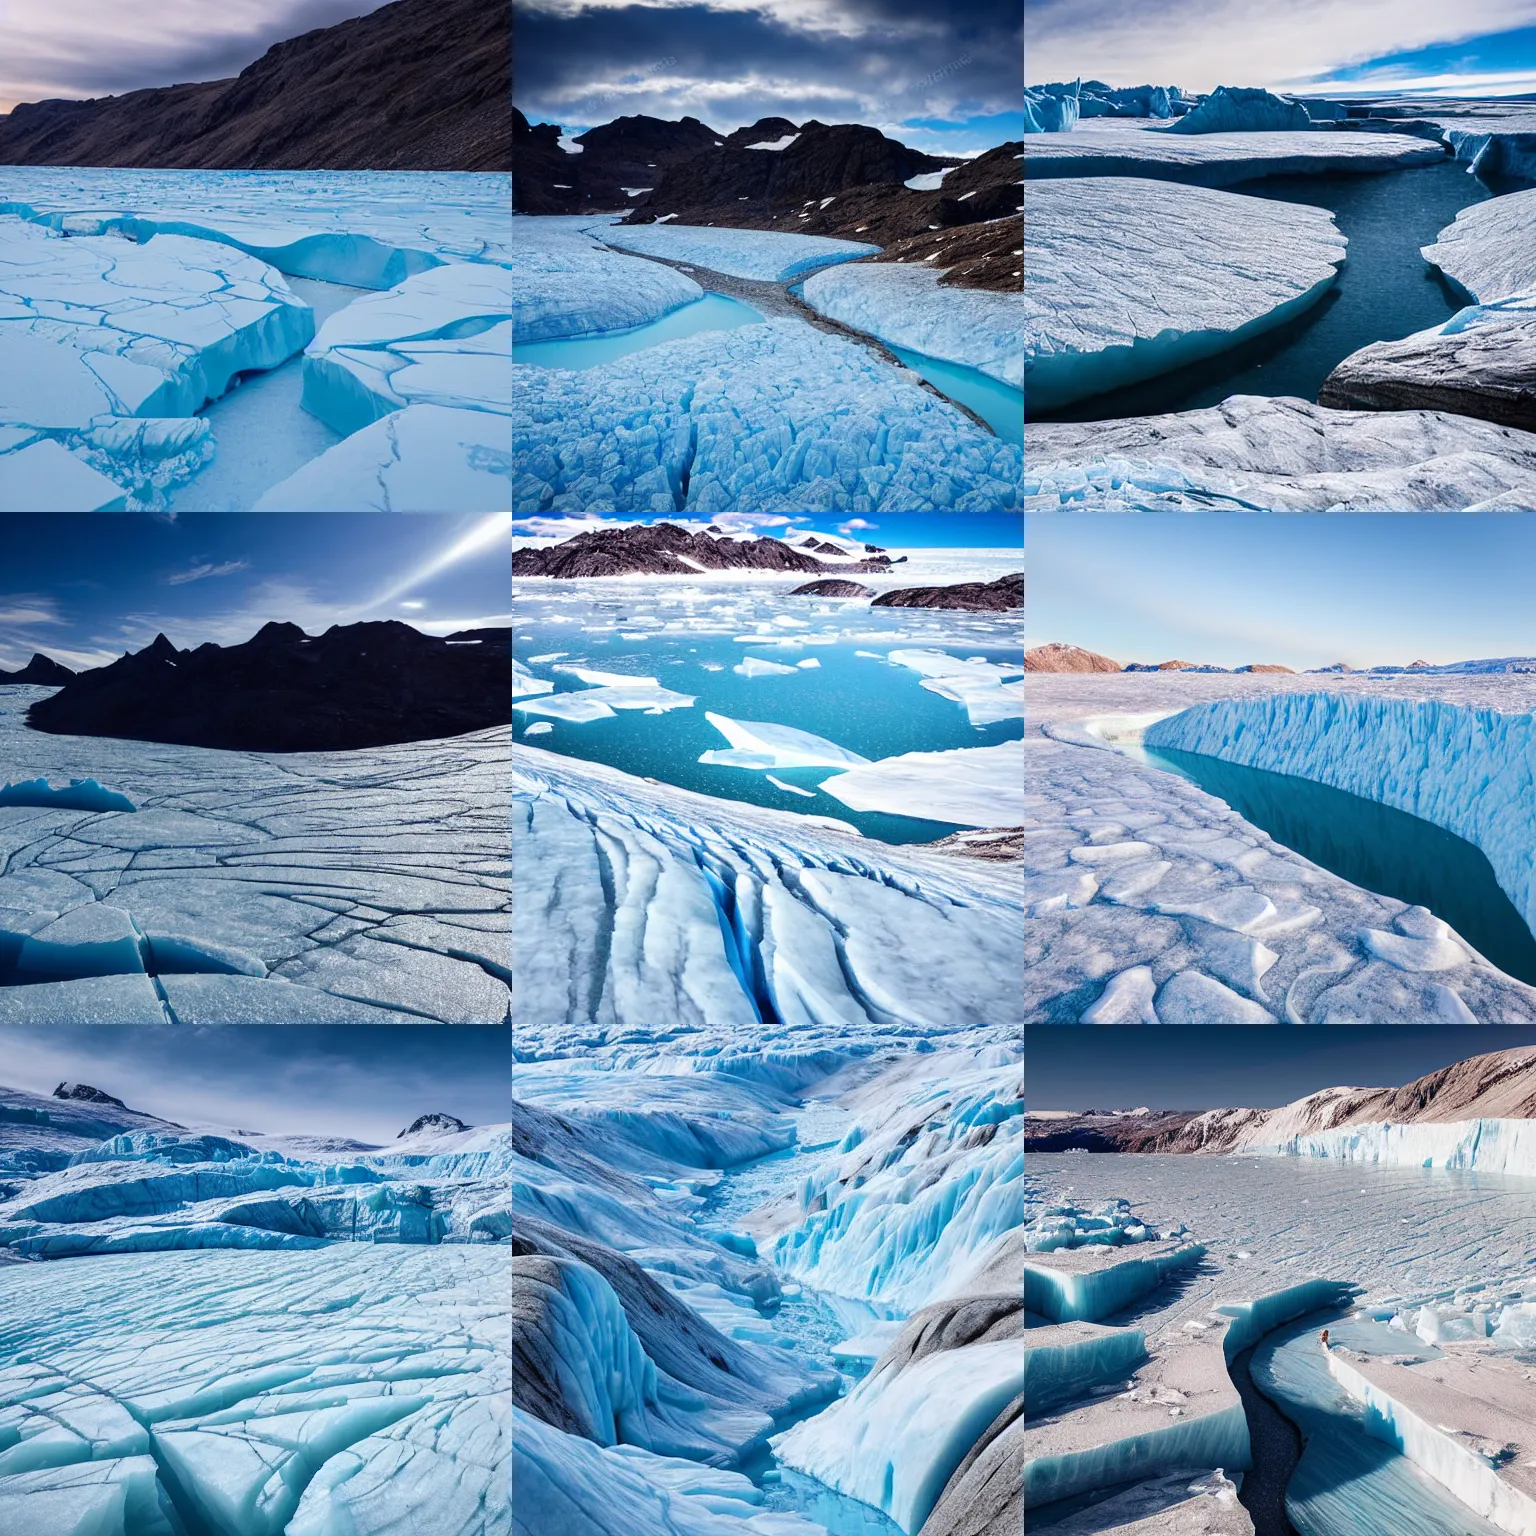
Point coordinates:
[(1204, 1068), (84, 589), (85, 48), (365, 1082), (1304, 591), (940, 77), (1475, 47), (905, 530)]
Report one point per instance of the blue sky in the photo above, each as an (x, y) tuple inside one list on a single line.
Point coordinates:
[(369, 1083), (84, 48), (1476, 46), (85, 589), (904, 530), (1303, 591), (1203, 1068), (942, 77)]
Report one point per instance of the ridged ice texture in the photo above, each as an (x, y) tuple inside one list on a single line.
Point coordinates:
[(906, 1209), (1087, 1297), (1260, 453), (775, 417), (1482, 1146), (1115, 292), (1468, 770), (640, 902), (307, 887), (103, 340), (907, 305), (570, 285), (767, 256), (353, 1391), (1059, 1371)]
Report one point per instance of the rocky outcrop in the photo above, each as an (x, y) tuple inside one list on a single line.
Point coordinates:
[(86, 1093), (416, 85), (357, 685), (41, 671), (832, 587), (664, 549), (432, 1122), (999, 596), (1266, 666), (1057, 657)]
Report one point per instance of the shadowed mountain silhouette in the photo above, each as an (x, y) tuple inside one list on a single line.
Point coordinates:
[(357, 685), (40, 670)]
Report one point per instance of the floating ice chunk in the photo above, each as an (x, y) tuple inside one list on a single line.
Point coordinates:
[(443, 337), (426, 458), (79, 795), (752, 666), (793, 789), (525, 684), (808, 663), (970, 786), (609, 679), (982, 686), (575, 707), (539, 728), (907, 306), (765, 255), (762, 744), (1107, 304)]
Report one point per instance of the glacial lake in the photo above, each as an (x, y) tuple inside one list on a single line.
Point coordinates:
[(1375, 846), (713, 312), (864, 703), (1385, 290), (998, 404)]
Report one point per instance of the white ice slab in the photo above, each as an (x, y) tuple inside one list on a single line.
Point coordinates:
[(765, 255), (970, 786)]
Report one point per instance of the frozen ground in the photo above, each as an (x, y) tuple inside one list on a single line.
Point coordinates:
[(1114, 293), (246, 888), (1154, 902), (766, 255), (771, 417), (203, 256), (1260, 453), (1114, 147), (907, 306)]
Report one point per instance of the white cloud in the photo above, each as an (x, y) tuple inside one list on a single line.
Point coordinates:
[(205, 570), (857, 525), (412, 606), (1200, 44)]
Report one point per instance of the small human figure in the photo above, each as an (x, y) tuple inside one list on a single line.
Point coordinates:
[(1325, 1338)]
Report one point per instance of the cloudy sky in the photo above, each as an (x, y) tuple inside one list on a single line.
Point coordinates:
[(85, 589), (84, 48), (906, 530), (1367, 589), (1176, 1068), (941, 77), (362, 1082), (1477, 46)]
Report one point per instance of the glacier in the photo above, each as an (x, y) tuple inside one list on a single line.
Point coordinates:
[(763, 255), (1050, 111), (1277, 453), (1491, 1146), (1156, 903), (1243, 109), (907, 306), (247, 888), (769, 417), (1112, 295)]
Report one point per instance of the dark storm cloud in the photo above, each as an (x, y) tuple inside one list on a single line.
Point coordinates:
[(877, 61)]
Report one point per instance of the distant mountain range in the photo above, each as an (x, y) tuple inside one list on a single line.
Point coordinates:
[(418, 85), (844, 180), (664, 549), (357, 685), (1498, 1086), (41, 670), (1058, 657)]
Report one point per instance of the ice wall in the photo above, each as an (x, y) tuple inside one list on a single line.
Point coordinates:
[(1467, 770), (1087, 1296), (1482, 1146), (1056, 1370)]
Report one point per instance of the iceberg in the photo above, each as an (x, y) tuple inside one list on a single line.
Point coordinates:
[(756, 666), (1243, 109), (443, 337), (970, 786), (426, 458), (770, 417), (760, 744), (908, 306), (1050, 111), (1109, 300), (990, 691), (525, 684), (765, 256)]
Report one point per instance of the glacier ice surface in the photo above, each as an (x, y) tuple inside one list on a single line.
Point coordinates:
[(768, 256)]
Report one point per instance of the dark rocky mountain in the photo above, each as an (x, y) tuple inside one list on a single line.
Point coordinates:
[(432, 1122), (766, 130), (667, 550), (416, 85), (357, 685), (977, 596), (832, 587), (41, 670), (628, 152), (87, 1093)]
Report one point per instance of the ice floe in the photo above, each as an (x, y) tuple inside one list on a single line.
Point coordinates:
[(970, 786), (1113, 294), (989, 691), (761, 744)]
